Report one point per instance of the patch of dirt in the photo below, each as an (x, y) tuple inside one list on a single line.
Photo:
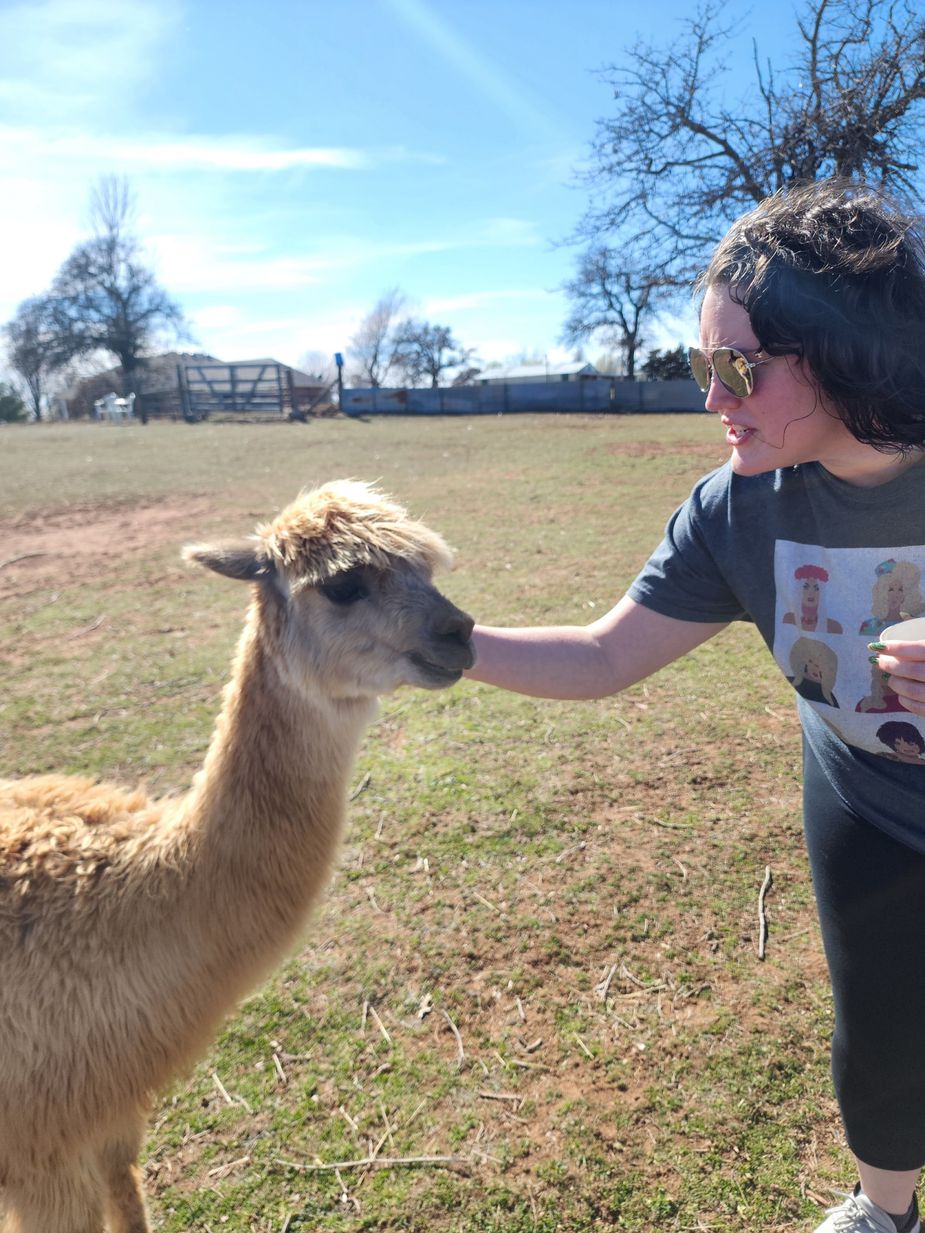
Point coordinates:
[(65, 547), (714, 454)]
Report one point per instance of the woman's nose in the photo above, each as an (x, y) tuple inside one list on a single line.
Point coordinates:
[(719, 399)]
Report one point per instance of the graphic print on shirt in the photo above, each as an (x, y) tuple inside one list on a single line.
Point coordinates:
[(813, 669), (904, 741), (896, 595), (811, 613), (822, 595), (881, 700)]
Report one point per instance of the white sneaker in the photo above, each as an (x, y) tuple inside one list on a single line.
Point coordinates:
[(858, 1215)]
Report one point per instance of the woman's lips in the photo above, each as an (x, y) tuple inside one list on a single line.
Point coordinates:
[(737, 433)]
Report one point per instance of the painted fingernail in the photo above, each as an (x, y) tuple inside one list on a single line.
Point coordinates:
[(876, 646), (873, 659), (885, 675)]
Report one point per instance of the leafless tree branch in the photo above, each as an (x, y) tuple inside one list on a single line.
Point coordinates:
[(676, 159)]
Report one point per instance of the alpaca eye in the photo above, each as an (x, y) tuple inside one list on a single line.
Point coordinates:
[(344, 591)]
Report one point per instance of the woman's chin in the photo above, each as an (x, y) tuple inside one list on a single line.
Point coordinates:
[(750, 462)]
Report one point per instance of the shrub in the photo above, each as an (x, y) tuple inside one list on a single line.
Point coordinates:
[(12, 407)]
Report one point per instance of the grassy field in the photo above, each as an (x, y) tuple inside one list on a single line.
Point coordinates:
[(539, 952)]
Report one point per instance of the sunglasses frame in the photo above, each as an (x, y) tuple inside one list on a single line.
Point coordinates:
[(736, 352)]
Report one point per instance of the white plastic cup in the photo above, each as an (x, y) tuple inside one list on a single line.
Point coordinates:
[(905, 631)]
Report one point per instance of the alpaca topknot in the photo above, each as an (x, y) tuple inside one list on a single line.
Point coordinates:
[(344, 524)]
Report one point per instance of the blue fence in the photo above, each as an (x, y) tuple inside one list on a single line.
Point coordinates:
[(594, 395)]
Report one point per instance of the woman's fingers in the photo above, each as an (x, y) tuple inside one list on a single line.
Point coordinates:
[(904, 664)]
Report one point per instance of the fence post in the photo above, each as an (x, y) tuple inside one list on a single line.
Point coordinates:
[(184, 399)]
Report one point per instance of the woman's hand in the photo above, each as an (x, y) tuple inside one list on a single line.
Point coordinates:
[(904, 662)]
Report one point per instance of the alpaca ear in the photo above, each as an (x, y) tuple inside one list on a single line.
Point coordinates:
[(245, 560)]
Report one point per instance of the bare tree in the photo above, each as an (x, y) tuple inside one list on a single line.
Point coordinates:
[(467, 375), (611, 297), (322, 368), (112, 206), (33, 350), (424, 351), (679, 158), (320, 365), (372, 346), (105, 299)]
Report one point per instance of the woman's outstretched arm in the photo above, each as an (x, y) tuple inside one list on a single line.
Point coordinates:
[(585, 661)]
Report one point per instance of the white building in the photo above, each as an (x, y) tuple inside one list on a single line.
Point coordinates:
[(516, 374)]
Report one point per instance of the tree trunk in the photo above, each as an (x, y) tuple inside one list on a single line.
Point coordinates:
[(130, 381)]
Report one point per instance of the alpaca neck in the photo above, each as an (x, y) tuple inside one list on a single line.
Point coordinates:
[(264, 818)]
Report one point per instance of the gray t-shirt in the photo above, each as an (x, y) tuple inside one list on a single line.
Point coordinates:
[(821, 567)]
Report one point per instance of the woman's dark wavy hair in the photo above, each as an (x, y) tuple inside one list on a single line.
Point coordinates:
[(834, 272)]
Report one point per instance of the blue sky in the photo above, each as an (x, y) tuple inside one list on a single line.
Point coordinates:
[(293, 161)]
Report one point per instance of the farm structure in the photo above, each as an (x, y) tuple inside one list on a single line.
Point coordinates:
[(116, 410), (251, 387), (195, 387), (520, 374), (588, 394)]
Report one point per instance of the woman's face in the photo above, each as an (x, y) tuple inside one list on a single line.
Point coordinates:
[(784, 421), (906, 749), (813, 671), (810, 593), (895, 593)]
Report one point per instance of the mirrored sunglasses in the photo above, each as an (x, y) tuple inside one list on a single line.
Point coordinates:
[(733, 369)]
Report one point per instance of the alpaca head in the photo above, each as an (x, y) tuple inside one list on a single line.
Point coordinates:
[(345, 596)]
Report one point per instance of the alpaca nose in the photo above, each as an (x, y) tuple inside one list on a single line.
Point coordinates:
[(455, 626)]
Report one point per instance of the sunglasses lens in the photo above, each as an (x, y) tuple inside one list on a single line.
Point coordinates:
[(700, 369), (733, 371)]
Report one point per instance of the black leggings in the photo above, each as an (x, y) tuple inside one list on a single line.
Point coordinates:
[(870, 892)]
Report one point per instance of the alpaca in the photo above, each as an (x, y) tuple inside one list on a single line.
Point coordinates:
[(129, 927)]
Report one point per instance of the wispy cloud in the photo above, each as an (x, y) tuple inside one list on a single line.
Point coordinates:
[(238, 335), (189, 264), (163, 153), (476, 65), (513, 232), (217, 317), (62, 56), (505, 349), (192, 265), (477, 301)]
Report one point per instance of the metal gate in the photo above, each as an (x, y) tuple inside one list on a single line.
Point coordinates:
[(254, 388)]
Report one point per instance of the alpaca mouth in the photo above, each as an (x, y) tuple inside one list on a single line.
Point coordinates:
[(441, 674)]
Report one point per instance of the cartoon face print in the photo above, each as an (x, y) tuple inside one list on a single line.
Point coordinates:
[(809, 602), (895, 596), (814, 666), (811, 594), (881, 699), (904, 739)]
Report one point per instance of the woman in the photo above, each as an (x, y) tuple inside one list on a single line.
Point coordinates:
[(811, 354)]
